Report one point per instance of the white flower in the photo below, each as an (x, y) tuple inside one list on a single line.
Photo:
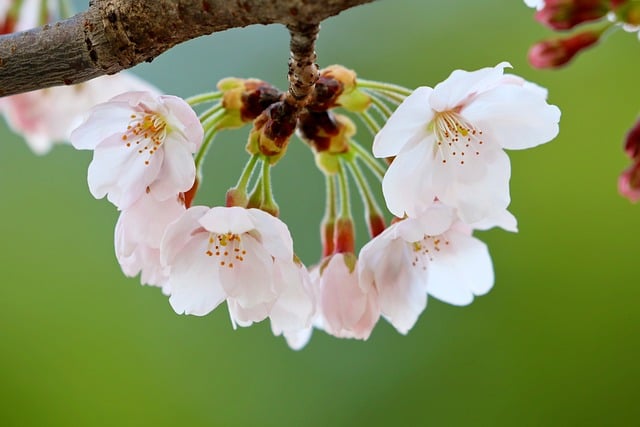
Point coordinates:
[(448, 142), (348, 308), (434, 254), (140, 141), (537, 4), (47, 116), (244, 256), (138, 235)]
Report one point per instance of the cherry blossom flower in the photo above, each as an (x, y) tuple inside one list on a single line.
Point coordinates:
[(47, 116), (434, 254), (140, 142), (138, 235), (448, 142), (348, 308), (243, 256)]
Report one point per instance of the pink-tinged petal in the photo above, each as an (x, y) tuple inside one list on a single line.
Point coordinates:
[(178, 171), (180, 232), (185, 119), (250, 280), (479, 200), (406, 185), (295, 306), (463, 270), (246, 316), (297, 339), (274, 234), (139, 100), (514, 117), (347, 311), (193, 282), (410, 118), (503, 219), (227, 220), (104, 121), (461, 86), (401, 285)]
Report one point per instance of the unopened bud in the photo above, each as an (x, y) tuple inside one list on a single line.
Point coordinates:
[(236, 197), (376, 224), (244, 100), (557, 52), (272, 130), (326, 132), (566, 14), (337, 87), (327, 230), (344, 235), (629, 182), (632, 142)]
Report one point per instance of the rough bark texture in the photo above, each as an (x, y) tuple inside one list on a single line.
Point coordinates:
[(113, 35)]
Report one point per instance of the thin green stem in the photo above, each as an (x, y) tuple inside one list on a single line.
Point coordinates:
[(370, 123), (380, 106), (247, 172), (215, 109), (343, 185), (371, 162), (370, 84), (268, 199), (330, 205), (391, 97), (209, 134), (204, 97), (371, 205)]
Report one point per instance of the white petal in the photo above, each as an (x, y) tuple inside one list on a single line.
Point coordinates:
[(410, 118), (407, 183), (179, 232), (178, 171), (457, 274), (514, 117), (461, 86), (274, 234), (223, 220), (194, 283), (183, 116), (105, 120), (295, 306)]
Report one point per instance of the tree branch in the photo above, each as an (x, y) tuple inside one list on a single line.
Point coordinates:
[(113, 35)]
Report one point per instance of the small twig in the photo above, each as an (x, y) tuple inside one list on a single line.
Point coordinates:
[(303, 70)]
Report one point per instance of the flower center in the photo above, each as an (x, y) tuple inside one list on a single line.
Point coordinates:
[(457, 141), (227, 248), (426, 249), (146, 133)]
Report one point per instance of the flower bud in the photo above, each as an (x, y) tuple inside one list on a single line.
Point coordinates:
[(344, 236), (632, 143), (272, 130), (376, 224), (327, 230), (566, 14), (326, 132), (236, 197), (557, 52), (337, 87), (629, 182), (245, 99)]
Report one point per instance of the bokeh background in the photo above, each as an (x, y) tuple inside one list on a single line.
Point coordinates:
[(555, 343)]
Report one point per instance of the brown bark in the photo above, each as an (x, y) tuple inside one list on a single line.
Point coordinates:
[(113, 35)]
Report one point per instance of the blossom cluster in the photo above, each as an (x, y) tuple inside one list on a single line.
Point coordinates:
[(448, 175)]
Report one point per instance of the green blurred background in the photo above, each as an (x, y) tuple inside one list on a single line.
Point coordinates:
[(555, 343)]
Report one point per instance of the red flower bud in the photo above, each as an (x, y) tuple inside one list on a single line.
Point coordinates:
[(566, 14), (557, 52)]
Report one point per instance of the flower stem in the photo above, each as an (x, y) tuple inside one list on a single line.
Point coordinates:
[(392, 97), (370, 84), (211, 112), (380, 106), (268, 202), (343, 185), (203, 97), (370, 122), (247, 172), (327, 228), (371, 162), (372, 212), (210, 131)]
